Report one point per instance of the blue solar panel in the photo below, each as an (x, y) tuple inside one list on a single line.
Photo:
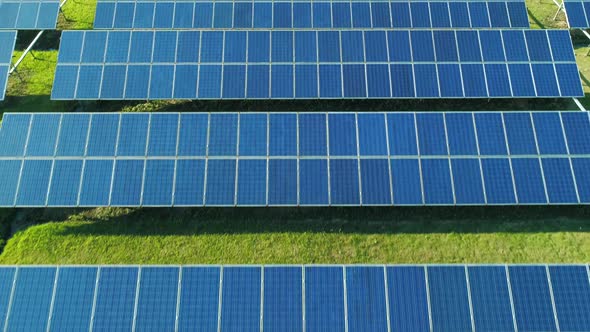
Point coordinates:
[(577, 13), (115, 299), (31, 299), (11, 170), (132, 134), (103, 135), (96, 182), (324, 299), (286, 298), (571, 293), (220, 182), (127, 182), (8, 40), (532, 299), (365, 290), (33, 183), (468, 182), (406, 182), (520, 133), (497, 174), (162, 141), (189, 182), (29, 15), (490, 297), (315, 64), (282, 182), (65, 183), (158, 183), (282, 135), (156, 304), (221, 159), (461, 134), (199, 296), (281, 15), (559, 180), (14, 134), (74, 296), (401, 129), (449, 299), (437, 182), (528, 180), (72, 135), (241, 299), (283, 307), (344, 182), (252, 182), (581, 168), (44, 131), (6, 282), (408, 303), (374, 190), (431, 134)]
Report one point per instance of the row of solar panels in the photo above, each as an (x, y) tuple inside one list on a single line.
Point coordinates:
[(288, 159), (305, 14), (7, 42), (315, 64), (25, 15), (194, 135), (296, 298), (578, 13)]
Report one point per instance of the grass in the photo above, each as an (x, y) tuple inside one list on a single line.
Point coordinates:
[(30, 86), (297, 236), (77, 14), (241, 236)]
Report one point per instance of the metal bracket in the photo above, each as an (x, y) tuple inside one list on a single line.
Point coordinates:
[(579, 104), (559, 8), (28, 50)]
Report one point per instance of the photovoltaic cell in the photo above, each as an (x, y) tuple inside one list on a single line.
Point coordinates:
[(309, 64), (292, 159)]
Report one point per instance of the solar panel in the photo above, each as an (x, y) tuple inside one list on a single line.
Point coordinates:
[(292, 297), (577, 13), (320, 159), (7, 40), (309, 15), (29, 15), (304, 64)]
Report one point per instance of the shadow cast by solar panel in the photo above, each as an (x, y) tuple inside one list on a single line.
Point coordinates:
[(50, 40), (362, 220), (535, 19), (336, 105), (64, 21)]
